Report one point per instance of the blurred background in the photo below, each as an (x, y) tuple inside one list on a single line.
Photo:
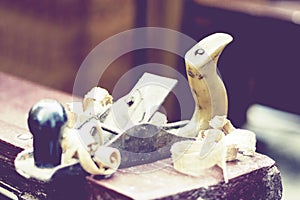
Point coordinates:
[(46, 42)]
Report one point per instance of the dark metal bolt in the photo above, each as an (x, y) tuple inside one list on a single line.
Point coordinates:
[(199, 52)]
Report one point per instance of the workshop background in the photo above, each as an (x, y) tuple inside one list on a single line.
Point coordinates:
[(46, 42)]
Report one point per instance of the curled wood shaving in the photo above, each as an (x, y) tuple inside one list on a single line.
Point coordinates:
[(105, 162), (186, 156), (96, 102), (220, 144), (102, 161)]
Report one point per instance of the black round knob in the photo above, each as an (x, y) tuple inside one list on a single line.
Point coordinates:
[(45, 121)]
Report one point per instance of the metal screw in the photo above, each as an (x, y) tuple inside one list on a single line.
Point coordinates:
[(199, 52)]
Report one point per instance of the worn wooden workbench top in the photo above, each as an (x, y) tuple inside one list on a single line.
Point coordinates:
[(249, 178)]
